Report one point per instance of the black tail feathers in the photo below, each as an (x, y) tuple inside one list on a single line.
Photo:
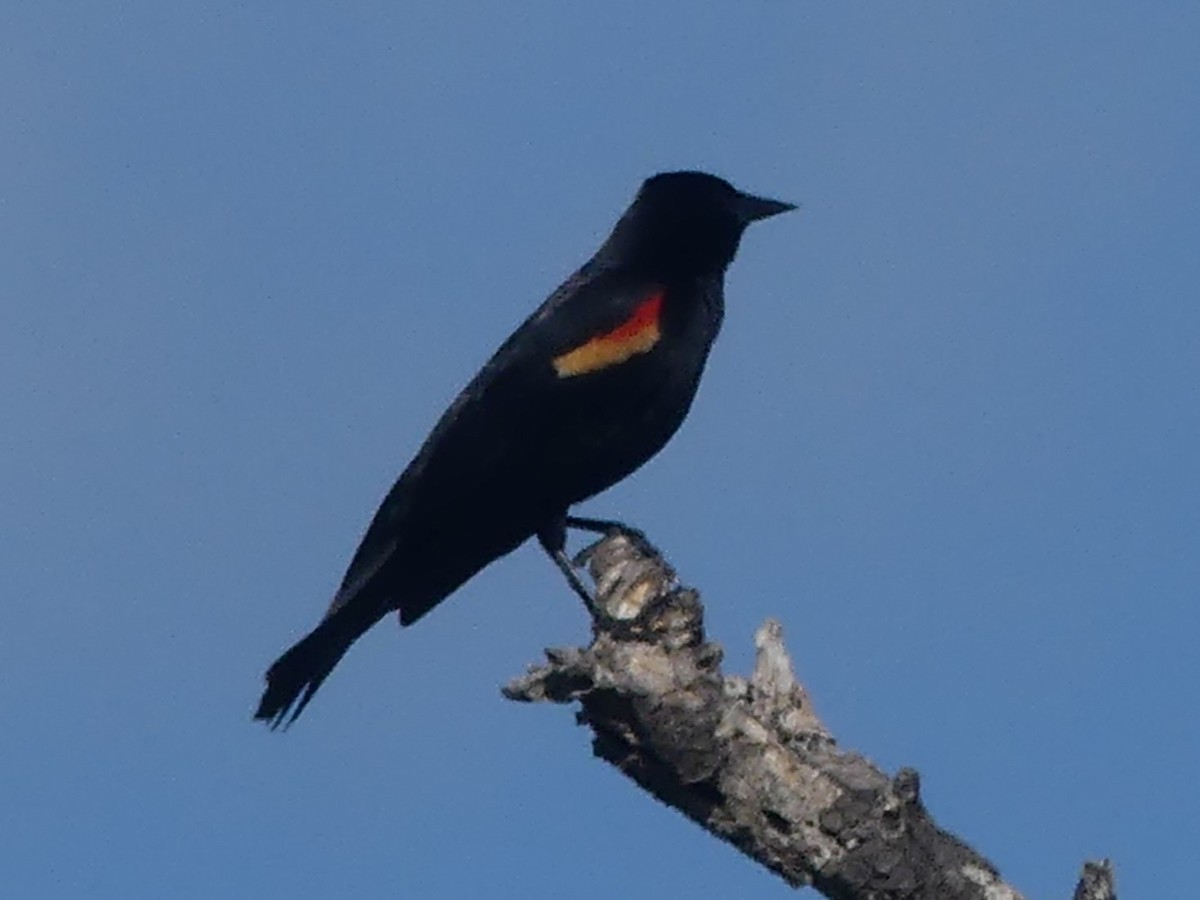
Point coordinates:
[(293, 679)]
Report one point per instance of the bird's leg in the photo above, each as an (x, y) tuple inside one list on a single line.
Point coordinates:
[(554, 541)]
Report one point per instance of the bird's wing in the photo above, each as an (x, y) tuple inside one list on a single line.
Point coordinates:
[(597, 318), (593, 305)]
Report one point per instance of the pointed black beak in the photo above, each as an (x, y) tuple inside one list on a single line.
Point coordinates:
[(753, 208)]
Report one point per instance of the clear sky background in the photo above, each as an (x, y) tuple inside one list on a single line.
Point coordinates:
[(949, 436)]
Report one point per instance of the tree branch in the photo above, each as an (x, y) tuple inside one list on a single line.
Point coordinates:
[(749, 761)]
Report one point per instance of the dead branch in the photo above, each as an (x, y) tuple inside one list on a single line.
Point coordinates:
[(749, 761)]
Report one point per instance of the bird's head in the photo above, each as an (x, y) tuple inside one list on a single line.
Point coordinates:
[(687, 223)]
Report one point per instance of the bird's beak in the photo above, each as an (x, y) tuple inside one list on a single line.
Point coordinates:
[(754, 208)]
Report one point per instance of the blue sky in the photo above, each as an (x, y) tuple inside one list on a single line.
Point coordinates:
[(948, 436)]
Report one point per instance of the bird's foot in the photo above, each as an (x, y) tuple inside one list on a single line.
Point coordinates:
[(609, 527), (554, 539)]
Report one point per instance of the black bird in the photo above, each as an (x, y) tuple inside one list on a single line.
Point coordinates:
[(585, 391)]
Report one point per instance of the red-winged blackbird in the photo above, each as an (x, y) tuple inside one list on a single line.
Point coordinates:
[(589, 388)]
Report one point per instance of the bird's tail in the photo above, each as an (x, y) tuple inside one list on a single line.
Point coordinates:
[(293, 679)]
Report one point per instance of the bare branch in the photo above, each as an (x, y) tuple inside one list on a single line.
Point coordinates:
[(749, 760), (1097, 882)]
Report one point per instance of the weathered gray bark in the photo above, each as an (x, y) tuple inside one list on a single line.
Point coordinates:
[(749, 761)]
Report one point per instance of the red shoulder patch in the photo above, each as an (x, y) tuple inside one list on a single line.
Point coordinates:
[(637, 334)]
